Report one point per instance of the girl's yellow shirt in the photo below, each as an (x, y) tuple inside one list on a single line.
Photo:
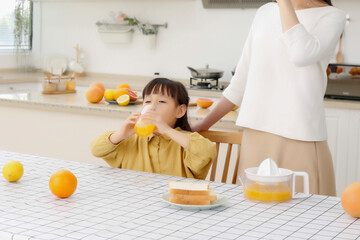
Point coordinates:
[(158, 154)]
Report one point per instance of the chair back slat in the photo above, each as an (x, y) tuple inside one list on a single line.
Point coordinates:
[(227, 163), (236, 167), (214, 165), (229, 138)]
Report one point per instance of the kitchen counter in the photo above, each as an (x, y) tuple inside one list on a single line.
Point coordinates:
[(138, 82), (122, 204), (77, 103)]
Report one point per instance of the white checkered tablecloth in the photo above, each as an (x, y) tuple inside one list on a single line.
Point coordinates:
[(120, 204)]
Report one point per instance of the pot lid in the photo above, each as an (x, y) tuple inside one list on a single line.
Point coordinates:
[(209, 70)]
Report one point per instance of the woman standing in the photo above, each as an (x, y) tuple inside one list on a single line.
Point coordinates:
[(280, 82)]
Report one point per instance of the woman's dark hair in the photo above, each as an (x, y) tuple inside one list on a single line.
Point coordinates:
[(328, 2), (174, 89)]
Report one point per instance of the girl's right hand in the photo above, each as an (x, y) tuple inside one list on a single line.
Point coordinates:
[(126, 130)]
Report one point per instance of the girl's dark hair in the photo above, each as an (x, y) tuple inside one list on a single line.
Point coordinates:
[(174, 89)]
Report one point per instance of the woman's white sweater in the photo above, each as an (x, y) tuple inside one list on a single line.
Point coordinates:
[(280, 80)]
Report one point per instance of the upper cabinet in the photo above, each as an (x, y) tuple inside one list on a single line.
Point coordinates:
[(234, 3)]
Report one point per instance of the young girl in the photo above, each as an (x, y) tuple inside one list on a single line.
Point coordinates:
[(280, 83), (172, 149)]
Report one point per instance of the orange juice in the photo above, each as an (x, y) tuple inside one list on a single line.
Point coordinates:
[(142, 129), (268, 193), (70, 85)]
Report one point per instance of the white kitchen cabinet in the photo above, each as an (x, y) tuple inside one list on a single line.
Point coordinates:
[(343, 127)]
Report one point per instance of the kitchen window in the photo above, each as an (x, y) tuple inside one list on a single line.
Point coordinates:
[(16, 14)]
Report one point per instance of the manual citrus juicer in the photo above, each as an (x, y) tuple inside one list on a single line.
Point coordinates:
[(270, 184)]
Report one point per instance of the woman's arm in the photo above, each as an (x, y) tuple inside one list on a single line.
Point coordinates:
[(287, 15), (307, 46)]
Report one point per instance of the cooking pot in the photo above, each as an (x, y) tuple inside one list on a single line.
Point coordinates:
[(206, 72)]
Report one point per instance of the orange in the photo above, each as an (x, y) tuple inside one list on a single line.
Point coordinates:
[(63, 183), (99, 85), (133, 95), (94, 94), (350, 199), (328, 71), (123, 100), (204, 102), (70, 85), (120, 91), (339, 70), (354, 71), (124, 85)]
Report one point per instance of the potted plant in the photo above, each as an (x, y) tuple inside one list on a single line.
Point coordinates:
[(23, 33), (149, 32)]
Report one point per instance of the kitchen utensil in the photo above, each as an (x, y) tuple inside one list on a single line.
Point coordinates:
[(340, 55), (272, 186), (74, 64), (55, 64), (206, 72)]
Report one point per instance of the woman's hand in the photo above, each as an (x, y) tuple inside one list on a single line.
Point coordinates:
[(126, 130)]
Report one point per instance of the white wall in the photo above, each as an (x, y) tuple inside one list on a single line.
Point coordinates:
[(195, 36)]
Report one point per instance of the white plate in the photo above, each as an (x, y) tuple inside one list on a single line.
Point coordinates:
[(220, 201), (55, 64), (115, 102)]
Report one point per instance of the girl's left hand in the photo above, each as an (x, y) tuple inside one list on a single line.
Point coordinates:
[(155, 118)]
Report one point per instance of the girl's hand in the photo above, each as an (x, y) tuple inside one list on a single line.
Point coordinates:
[(154, 118), (126, 130)]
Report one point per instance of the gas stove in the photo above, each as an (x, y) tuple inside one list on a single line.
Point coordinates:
[(204, 83)]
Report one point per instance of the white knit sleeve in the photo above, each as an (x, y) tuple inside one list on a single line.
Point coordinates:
[(306, 48), (235, 91)]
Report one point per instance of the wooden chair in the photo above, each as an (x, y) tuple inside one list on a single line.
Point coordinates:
[(229, 138)]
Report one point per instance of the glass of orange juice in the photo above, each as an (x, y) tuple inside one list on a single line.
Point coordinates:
[(142, 128), (272, 189)]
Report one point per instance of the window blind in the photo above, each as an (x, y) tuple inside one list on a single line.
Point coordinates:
[(8, 23)]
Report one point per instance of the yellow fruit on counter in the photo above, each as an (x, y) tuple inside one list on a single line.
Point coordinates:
[(119, 92), (109, 95), (13, 171), (123, 100)]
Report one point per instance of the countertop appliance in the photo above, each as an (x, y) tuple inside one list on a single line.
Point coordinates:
[(343, 82)]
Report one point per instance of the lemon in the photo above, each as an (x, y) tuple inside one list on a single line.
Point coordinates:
[(13, 171), (123, 100), (109, 95)]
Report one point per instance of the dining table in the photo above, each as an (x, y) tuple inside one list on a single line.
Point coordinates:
[(113, 203)]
